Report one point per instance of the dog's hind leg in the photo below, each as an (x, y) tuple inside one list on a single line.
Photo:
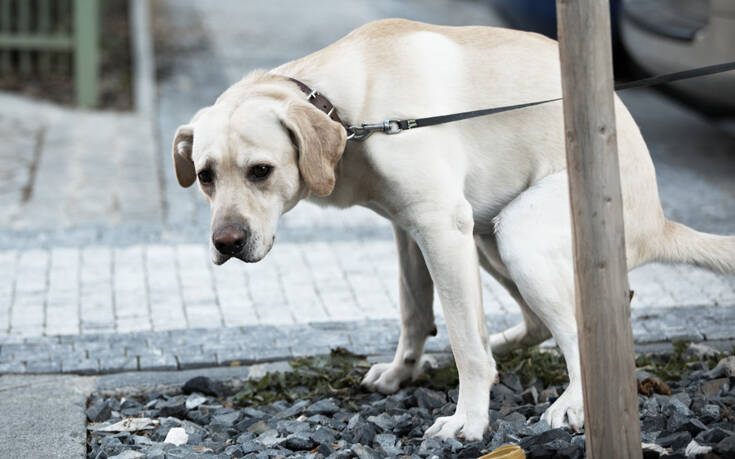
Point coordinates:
[(417, 320), (532, 330), (535, 243)]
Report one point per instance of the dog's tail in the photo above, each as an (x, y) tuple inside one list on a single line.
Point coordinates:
[(681, 244)]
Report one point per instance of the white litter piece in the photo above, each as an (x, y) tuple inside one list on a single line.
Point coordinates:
[(129, 425), (129, 454), (694, 449), (653, 447), (177, 436)]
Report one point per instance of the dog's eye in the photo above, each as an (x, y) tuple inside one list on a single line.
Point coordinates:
[(205, 177), (260, 172)]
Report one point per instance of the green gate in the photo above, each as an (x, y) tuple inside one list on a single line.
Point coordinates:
[(42, 34)]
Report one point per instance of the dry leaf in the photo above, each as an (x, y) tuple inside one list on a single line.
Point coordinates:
[(505, 452), (650, 385)]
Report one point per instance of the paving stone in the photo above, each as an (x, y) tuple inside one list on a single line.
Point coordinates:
[(157, 362), (310, 349), (31, 354), (118, 364), (192, 361), (69, 355), (76, 364), (12, 367), (270, 355), (235, 354), (115, 352), (43, 366)]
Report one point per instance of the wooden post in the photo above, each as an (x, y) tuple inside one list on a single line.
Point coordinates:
[(612, 424)]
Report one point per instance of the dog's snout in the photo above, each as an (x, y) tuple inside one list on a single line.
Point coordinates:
[(230, 239)]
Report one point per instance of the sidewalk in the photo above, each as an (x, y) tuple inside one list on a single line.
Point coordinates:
[(64, 169), (103, 257), (160, 287)]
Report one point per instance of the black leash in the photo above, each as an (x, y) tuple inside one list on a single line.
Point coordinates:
[(359, 133)]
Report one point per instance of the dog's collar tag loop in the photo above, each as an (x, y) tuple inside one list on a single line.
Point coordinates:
[(320, 102)]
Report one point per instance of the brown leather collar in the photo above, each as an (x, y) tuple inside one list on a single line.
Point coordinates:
[(320, 102)]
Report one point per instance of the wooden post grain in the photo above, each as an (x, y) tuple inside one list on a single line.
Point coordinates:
[(601, 283)]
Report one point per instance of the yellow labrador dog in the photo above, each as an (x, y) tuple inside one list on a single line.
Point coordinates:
[(488, 192)]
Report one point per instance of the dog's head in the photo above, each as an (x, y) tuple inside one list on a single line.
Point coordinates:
[(255, 153)]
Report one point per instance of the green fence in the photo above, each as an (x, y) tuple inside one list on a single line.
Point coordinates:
[(45, 36)]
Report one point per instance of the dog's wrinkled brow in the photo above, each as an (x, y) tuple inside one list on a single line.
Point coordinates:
[(209, 163)]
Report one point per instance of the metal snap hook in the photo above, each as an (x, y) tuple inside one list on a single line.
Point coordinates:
[(391, 127)]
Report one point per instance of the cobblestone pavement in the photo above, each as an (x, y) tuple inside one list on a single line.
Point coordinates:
[(155, 287), (165, 306), (103, 262), (63, 168)]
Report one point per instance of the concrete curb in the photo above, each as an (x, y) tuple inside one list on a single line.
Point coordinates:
[(44, 416), (189, 349)]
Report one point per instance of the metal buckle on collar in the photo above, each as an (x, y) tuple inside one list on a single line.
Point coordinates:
[(362, 132)]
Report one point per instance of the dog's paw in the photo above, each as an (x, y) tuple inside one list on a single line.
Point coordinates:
[(386, 378), (567, 410), (460, 425)]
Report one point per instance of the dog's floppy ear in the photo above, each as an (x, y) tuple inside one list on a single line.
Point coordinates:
[(183, 165), (320, 143)]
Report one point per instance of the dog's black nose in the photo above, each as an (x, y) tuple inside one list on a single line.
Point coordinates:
[(229, 239)]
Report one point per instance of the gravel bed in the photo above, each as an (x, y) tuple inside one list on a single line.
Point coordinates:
[(690, 417)]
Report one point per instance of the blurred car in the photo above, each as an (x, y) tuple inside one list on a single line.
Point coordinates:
[(663, 36), (652, 37), (540, 16)]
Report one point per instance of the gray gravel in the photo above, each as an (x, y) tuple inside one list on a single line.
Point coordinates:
[(698, 413)]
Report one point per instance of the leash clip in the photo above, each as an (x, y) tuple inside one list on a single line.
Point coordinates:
[(362, 132), (391, 127)]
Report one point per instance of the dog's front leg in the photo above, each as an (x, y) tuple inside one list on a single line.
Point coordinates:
[(417, 320), (449, 249)]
